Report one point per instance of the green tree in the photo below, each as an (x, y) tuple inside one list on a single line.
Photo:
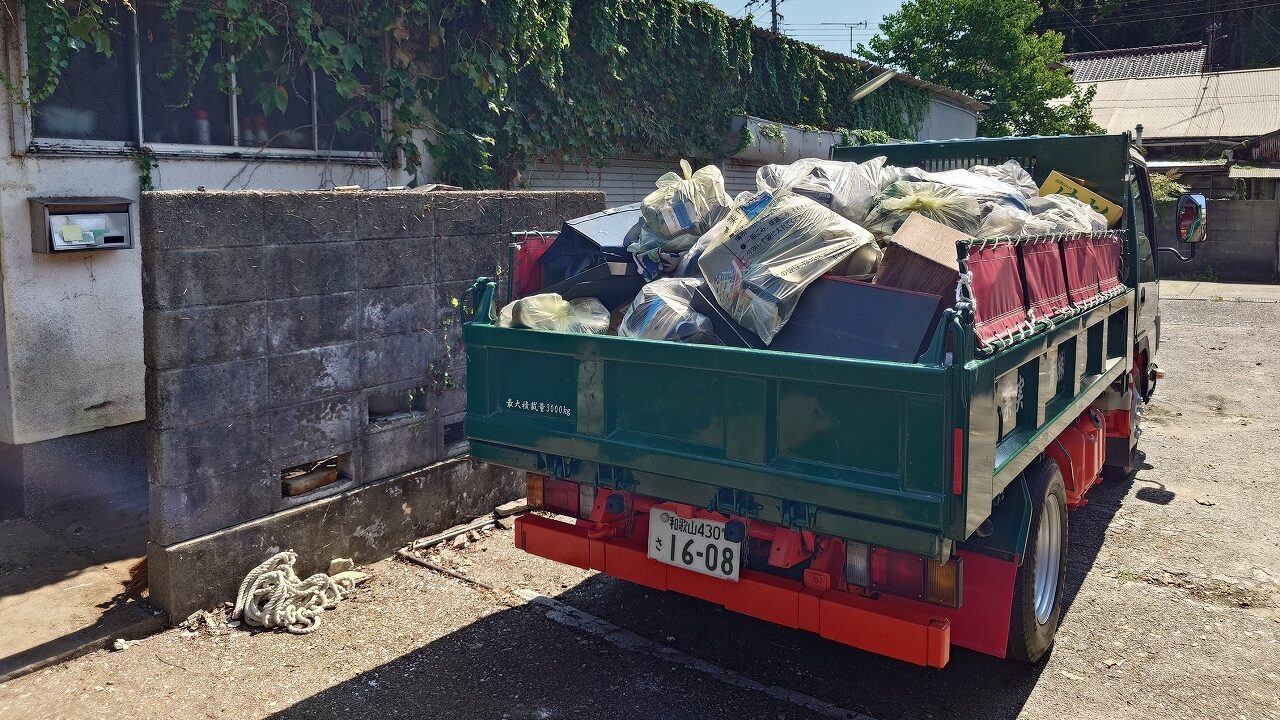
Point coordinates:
[(987, 49)]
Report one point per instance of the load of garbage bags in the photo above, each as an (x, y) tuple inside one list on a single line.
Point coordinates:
[(747, 262)]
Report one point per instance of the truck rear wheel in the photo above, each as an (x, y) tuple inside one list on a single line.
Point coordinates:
[(1037, 592)]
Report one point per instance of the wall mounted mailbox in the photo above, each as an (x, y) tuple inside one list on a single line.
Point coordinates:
[(67, 224)]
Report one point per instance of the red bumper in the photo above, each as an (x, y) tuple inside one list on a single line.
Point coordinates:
[(874, 625)]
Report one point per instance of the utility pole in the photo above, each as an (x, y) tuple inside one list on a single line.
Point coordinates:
[(851, 26), (775, 16)]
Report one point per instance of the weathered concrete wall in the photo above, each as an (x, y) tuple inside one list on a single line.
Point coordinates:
[(281, 328), (365, 524), (1243, 245)]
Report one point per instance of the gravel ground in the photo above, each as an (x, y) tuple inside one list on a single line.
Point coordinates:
[(1173, 589)]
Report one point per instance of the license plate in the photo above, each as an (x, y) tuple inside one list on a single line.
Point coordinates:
[(693, 544)]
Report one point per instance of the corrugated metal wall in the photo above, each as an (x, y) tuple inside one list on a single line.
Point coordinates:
[(628, 180)]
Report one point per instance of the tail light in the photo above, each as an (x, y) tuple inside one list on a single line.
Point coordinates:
[(559, 496), (903, 573)]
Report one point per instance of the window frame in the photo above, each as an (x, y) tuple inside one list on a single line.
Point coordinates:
[(1142, 206), (31, 143)]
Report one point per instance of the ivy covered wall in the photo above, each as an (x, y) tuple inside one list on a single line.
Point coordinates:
[(487, 88)]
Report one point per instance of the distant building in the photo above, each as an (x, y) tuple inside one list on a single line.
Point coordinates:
[(1201, 124), (1157, 61)]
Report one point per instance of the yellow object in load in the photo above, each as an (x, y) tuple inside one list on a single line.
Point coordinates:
[(1059, 184)]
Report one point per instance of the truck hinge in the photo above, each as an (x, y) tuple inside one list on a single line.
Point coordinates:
[(612, 476), (558, 466), (796, 515), (734, 502)]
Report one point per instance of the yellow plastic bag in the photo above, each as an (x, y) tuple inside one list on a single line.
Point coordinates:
[(549, 311)]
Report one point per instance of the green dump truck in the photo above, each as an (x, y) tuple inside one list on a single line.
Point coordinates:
[(897, 507)]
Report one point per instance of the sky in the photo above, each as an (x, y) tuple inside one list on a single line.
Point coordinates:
[(803, 19)]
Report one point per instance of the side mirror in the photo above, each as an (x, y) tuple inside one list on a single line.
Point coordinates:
[(1192, 218)]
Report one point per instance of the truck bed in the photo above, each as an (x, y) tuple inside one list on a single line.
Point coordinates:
[(902, 455)]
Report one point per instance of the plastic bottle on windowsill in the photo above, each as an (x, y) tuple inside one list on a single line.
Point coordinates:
[(262, 137), (203, 136)]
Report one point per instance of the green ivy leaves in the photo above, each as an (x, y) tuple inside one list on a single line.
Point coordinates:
[(488, 88)]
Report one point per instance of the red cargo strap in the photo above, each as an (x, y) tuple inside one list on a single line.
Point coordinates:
[(1000, 307), (1081, 269), (1046, 287), (1106, 256)]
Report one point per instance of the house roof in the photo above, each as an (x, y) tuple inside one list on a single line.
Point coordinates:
[(1234, 105), (1154, 61)]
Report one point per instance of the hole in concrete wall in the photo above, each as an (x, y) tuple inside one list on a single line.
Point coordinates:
[(306, 477), (386, 406), (455, 439)]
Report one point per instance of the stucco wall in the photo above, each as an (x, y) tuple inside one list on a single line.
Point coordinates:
[(944, 121), (71, 348)]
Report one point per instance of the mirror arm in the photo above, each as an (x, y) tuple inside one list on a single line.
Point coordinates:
[(1180, 256)]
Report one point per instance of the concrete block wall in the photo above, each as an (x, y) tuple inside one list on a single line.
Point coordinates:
[(1243, 245), (275, 321)]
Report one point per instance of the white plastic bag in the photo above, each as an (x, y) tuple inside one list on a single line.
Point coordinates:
[(685, 206), (549, 311), (1012, 173), (1003, 221), (759, 259), (1067, 214), (661, 312), (940, 203), (980, 187), (846, 188)]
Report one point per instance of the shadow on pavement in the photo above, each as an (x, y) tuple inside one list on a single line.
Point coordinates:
[(518, 664)]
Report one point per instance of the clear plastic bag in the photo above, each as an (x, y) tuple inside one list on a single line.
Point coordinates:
[(1002, 221), (980, 187), (846, 188), (940, 203), (685, 206), (549, 311), (1067, 214), (661, 312), (1012, 173), (759, 259)]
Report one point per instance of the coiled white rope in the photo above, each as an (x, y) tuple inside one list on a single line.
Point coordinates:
[(272, 595)]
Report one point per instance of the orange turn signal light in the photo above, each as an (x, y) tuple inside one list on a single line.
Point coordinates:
[(534, 489), (942, 582)]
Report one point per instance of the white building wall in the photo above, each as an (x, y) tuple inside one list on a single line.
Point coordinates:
[(71, 342), (944, 121)]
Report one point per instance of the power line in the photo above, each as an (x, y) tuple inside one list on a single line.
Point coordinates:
[(1127, 21)]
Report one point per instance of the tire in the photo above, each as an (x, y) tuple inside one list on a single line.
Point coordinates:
[(1037, 607)]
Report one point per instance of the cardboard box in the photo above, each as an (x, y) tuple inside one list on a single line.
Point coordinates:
[(922, 257), (1059, 184)]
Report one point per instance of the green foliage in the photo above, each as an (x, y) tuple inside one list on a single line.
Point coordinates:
[(986, 48), (145, 160), (486, 88), (1165, 187), (871, 137), (774, 134)]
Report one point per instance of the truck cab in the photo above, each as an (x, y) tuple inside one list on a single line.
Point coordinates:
[(901, 507)]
